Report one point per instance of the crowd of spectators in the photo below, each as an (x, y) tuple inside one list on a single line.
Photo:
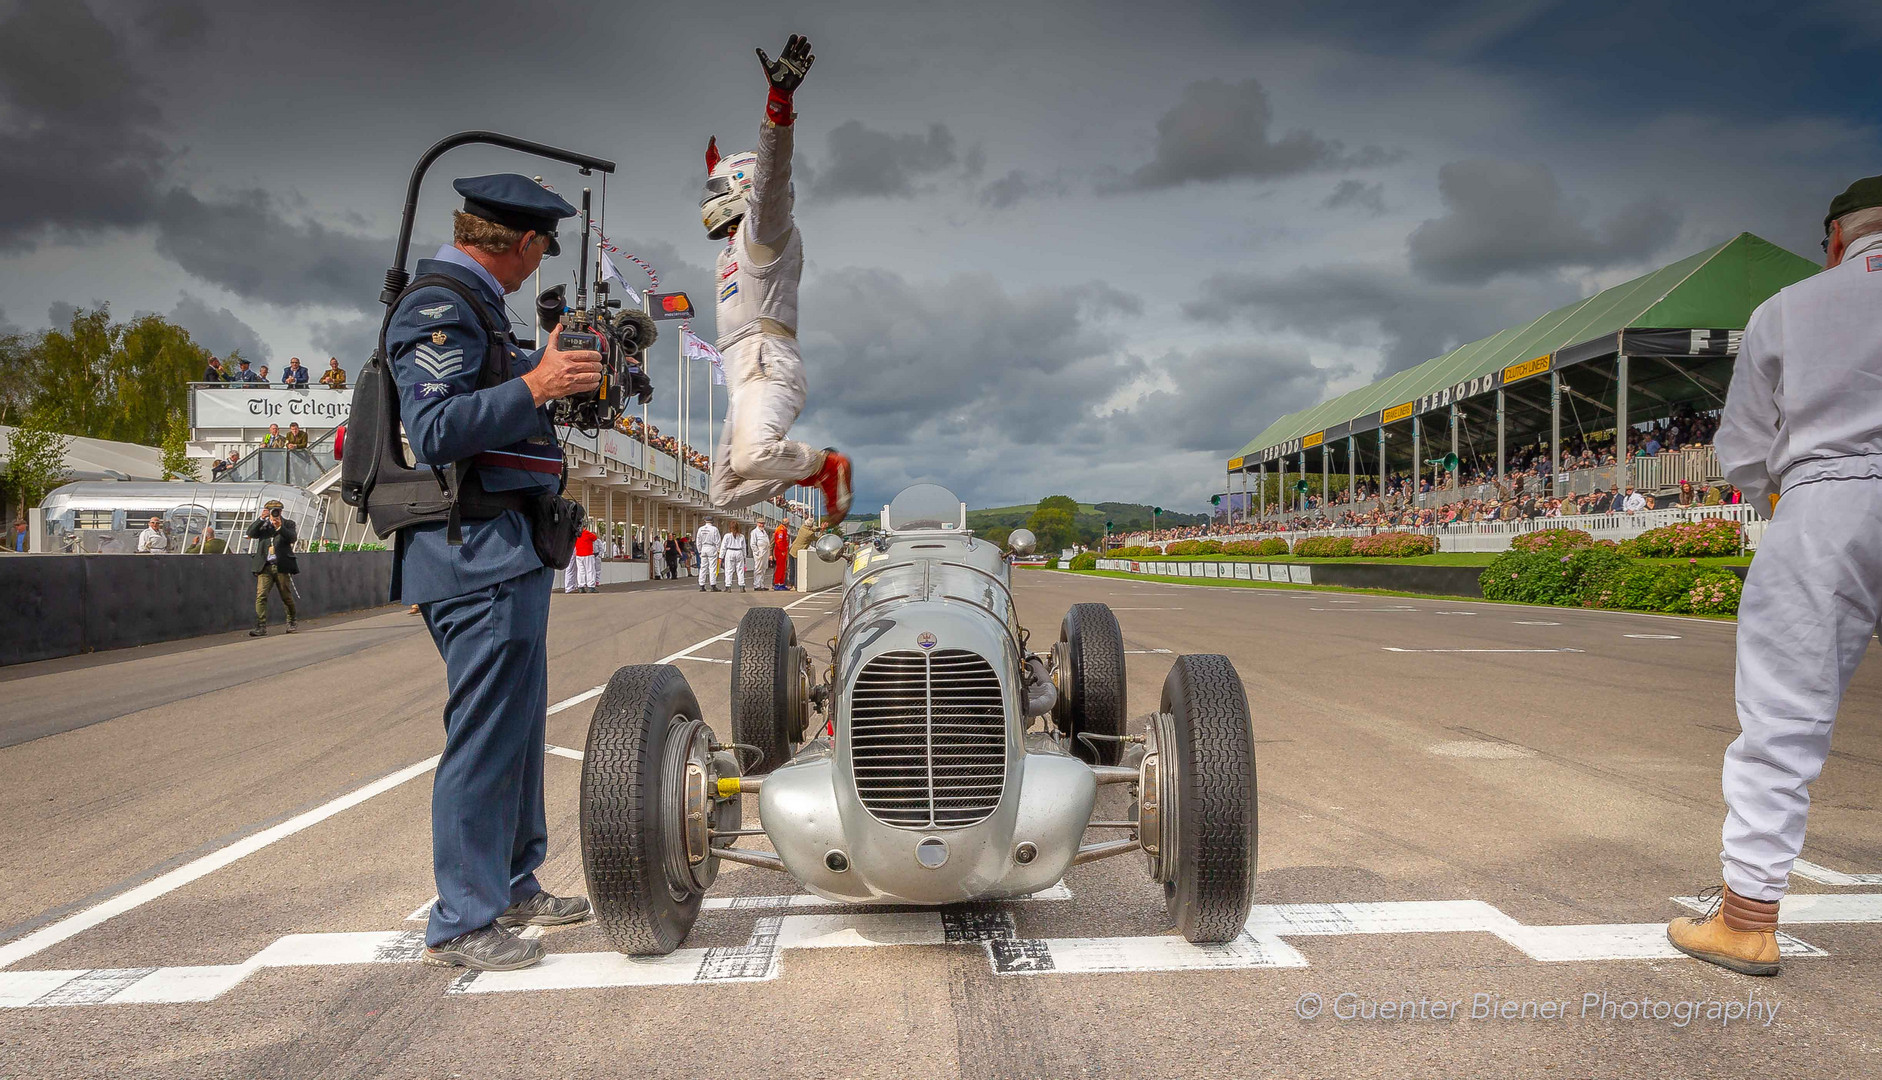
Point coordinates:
[(242, 373)]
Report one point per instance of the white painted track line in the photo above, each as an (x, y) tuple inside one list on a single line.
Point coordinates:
[(1393, 648), (1261, 946), (47, 936)]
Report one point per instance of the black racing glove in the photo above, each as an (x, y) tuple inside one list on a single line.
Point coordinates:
[(785, 74)]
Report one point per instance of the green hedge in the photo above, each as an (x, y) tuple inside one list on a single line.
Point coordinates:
[(1552, 540), (1324, 547), (1395, 545), (1605, 577), (1084, 560)]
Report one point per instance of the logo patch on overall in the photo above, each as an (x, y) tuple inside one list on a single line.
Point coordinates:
[(438, 312), (1874, 263), (729, 290), (730, 269), (925, 639)]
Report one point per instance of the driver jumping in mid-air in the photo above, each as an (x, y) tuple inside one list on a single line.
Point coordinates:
[(748, 204)]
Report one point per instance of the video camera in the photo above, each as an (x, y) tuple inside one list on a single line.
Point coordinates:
[(620, 335)]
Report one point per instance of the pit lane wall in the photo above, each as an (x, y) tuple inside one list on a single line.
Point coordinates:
[(61, 605), (1434, 580)]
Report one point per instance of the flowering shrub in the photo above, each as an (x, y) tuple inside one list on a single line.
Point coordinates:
[(1324, 547), (1208, 547), (1185, 547), (1273, 545), (1395, 545), (1602, 577), (1688, 539), (1551, 540), (1136, 551), (1716, 593)]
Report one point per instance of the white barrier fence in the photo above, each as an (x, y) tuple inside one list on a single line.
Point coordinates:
[(1492, 536), (1295, 573)]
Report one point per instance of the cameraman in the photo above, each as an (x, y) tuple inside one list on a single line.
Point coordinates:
[(467, 395)]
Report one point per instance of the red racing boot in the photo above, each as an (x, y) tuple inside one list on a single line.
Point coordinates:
[(833, 479)]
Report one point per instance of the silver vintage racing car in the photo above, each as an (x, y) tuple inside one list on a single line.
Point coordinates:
[(935, 759)]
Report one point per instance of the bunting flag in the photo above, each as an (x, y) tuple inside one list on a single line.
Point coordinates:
[(608, 269), (696, 349)]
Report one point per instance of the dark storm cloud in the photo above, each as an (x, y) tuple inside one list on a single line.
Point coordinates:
[(77, 148), (1505, 217), (245, 244), (865, 163), (1357, 195), (219, 330), (1407, 319), (81, 150), (1222, 131), (965, 383)]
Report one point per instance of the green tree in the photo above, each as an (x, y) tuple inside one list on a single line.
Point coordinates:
[(1059, 502), (177, 464), (1054, 526), (105, 380), (35, 462)]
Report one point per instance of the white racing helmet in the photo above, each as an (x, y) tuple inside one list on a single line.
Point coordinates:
[(728, 186)]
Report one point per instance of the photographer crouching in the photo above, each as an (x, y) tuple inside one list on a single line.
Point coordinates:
[(468, 395)]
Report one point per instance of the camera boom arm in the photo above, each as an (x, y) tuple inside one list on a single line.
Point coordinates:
[(396, 276)]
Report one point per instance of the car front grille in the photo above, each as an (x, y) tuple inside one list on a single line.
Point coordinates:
[(928, 738)]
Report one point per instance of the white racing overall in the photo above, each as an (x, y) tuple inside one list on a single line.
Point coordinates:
[(732, 556), (706, 547), (1804, 418), (759, 271)]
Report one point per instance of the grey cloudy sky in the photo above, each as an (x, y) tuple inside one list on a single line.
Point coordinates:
[(1087, 248)]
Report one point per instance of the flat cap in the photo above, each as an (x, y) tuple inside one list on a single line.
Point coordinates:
[(1861, 195), (516, 202), (273, 504)]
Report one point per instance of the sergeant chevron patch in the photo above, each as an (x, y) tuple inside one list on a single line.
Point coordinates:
[(442, 363)]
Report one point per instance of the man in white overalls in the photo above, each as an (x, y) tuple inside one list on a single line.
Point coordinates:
[(1804, 421), (732, 557), (706, 549)]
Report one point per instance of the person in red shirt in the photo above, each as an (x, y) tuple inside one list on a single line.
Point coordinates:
[(780, 556), (583, 572)]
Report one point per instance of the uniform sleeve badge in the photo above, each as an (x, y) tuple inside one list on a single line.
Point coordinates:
[(437, 337)]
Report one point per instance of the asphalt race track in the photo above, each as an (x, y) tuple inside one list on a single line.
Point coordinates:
[(218, 852)]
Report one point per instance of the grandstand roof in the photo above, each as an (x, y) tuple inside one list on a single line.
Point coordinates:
[(1716, 289)]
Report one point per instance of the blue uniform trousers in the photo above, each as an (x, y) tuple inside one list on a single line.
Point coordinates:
[(488, 832)]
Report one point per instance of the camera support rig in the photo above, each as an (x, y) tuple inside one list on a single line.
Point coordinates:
[(618, 336)]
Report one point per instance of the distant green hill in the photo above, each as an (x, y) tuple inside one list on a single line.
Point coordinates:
[(1124, 517)]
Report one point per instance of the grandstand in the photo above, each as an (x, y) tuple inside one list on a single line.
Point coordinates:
[(1539, 400)]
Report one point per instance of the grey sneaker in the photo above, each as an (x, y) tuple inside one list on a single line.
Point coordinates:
[(541, 909), (491, 948)]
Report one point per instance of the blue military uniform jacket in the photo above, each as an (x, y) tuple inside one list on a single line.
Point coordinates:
[(437, 350)]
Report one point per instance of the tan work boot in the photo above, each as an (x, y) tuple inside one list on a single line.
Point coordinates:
[(1737, 933)]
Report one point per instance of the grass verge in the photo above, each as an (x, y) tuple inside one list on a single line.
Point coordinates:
[(1232, 583)]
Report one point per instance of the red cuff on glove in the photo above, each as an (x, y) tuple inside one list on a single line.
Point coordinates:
[(778, 108)]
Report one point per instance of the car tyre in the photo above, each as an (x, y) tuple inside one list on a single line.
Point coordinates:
[(1210, 882), (628, 807), (768, 710), (1091, 687)]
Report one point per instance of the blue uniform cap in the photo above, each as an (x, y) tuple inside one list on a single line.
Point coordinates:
[(516, 202)]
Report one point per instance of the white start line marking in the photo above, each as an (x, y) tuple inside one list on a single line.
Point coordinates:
[(1654, 637), (1147, 652), (1261, 945), (1393, 648), (1823, 875), (47, 936), (1535, 622), (1453, 613), (1362, 609)]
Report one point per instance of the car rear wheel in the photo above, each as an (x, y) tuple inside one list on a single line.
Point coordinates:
[(770, 686), (1197, 799), (649, 793), (1089, 659)]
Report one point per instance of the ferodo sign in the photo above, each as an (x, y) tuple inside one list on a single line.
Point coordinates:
[(314, 409)]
